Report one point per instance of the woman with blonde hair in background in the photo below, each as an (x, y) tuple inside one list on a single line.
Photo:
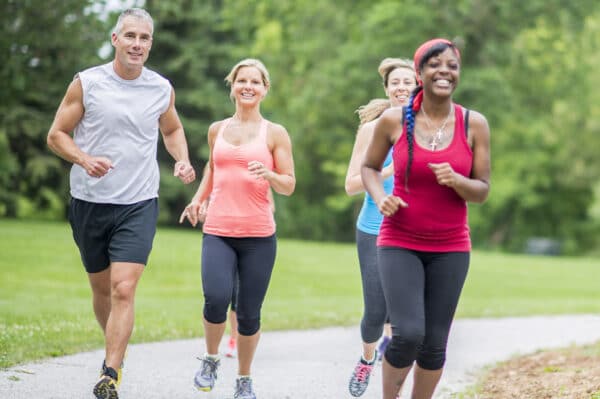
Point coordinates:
[(399, 81)]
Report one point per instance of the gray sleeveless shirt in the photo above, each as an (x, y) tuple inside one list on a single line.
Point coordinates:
[(120, 122)]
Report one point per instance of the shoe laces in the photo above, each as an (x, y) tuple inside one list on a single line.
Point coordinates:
[(209, 366), (244, 386), (362, 371)]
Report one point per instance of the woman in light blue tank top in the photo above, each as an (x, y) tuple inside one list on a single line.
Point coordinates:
[(398, 81), (369, 219)]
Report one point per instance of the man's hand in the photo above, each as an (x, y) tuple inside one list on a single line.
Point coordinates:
[(184, 171), (96, 166)]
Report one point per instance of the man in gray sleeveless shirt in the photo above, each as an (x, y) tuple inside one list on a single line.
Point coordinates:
[(115, 112)]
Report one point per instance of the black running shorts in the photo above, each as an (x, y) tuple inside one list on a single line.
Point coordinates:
[(107, 233)]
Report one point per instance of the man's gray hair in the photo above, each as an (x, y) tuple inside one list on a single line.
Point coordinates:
[(138, 13)]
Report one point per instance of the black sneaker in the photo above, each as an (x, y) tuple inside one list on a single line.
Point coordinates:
[(106, 387), (119, 372)]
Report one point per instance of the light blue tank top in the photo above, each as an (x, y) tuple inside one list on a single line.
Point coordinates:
[(369, 219)]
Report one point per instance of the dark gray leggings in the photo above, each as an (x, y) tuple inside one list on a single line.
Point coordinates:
[(253, 259), (422, 290), (374, 314)]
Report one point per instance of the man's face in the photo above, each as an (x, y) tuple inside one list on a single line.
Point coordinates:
[(132, 44)]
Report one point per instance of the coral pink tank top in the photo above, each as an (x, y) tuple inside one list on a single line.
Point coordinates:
[(239, 204), (436, 217)]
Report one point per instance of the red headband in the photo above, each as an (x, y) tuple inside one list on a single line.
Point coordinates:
[(423, 48)]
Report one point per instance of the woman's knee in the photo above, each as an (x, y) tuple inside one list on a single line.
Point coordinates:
[(215, 308), (248, 326), (402, 350), (371, 326), (431, 357)]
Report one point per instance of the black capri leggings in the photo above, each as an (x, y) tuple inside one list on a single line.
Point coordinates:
[(421, 290), (253, 259), (374, 314), (233, 305)]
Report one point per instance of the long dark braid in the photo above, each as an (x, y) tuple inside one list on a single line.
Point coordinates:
[(409, 112)]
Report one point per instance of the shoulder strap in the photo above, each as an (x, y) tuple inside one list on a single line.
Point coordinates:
[(223, 126), (467, 123)]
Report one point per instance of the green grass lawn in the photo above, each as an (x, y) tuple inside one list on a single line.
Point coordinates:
[(45, 299)]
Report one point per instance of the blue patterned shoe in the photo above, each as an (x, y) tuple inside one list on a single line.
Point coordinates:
[(359, 381)]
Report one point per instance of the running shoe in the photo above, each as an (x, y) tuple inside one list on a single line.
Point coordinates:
[(205, 377), (359, 381), (119, 372), (231, 348), (243, 389), (106, 387)]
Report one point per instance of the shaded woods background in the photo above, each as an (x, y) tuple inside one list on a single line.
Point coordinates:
[(529, 66)]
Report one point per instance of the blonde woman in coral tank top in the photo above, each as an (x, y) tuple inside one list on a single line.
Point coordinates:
[(249, 156)]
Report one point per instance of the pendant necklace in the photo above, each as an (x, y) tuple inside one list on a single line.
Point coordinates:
[(436, 138)]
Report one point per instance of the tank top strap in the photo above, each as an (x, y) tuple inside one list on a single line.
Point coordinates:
[(223, 126), (458, 114), (262, 133), (459, 124)]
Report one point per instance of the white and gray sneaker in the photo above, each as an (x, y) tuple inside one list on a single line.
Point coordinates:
[(205, 377), (243, 388)]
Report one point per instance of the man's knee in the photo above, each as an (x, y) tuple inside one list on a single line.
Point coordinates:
[(123, 291)]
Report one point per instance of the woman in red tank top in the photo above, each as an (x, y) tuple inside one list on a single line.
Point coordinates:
[(440, 164), (249, 156)]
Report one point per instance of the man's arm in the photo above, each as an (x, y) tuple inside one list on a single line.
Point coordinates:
[(68, 115), (175, 142)]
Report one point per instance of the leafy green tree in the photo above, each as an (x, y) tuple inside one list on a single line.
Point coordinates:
[(44, 44), (528, 66), (548, 160), (194, 48)]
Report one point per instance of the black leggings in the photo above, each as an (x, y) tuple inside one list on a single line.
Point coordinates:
[(374, 314), (233, 305), (421, 290), (253, 259)]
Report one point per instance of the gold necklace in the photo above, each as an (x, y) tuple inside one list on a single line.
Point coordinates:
[(436, 138)]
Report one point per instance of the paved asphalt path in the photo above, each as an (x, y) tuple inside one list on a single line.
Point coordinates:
[(294, 364)]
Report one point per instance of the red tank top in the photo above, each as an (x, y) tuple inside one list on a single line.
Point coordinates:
[(436, 217), (239, 205)]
